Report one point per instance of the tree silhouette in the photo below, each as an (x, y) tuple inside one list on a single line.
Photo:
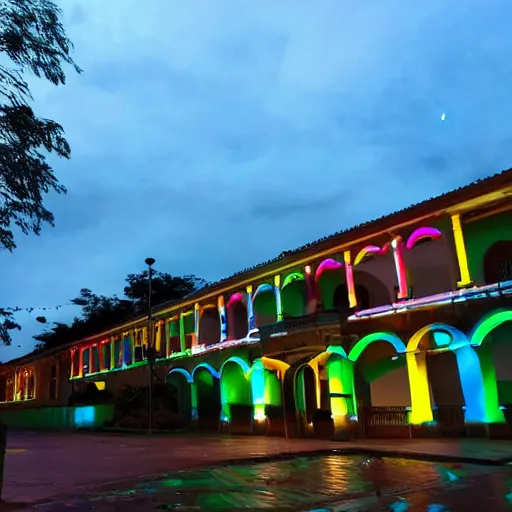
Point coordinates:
[(32, 41)]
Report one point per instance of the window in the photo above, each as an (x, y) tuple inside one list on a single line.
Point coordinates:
[(174, 336), (10, 388), (118, 353), (95, 359), (138, 346), (86, 354), (31, 384), (53, 382), (105, 355), (75, 363), (127, 349)]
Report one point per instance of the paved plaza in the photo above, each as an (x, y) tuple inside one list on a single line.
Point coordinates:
[(42, 466)]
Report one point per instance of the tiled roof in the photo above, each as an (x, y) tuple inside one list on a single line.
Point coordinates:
[(434, 203)]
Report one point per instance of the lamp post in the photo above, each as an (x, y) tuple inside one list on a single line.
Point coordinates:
[(151, 350)]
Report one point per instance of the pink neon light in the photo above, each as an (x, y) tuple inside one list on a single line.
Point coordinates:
[(365, 251), (401, 274), (328, 264), (422, 234), (236, 297), (351, 288)]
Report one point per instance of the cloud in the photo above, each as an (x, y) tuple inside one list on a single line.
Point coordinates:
[(215, 135)]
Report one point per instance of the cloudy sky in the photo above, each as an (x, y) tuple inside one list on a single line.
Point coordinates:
[(212, 135)]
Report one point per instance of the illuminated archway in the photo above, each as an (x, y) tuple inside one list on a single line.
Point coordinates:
[(444, 337), (294, 295), (265, 305), (330, 284), (235, 386), (380, 374), (494, 358), (206, 400), (181, 380), (237, 316), (265, 387), (209, 325), (487, 324), (306, 390)]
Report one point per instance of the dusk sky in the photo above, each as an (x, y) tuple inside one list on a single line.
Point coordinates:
[(213, 135)]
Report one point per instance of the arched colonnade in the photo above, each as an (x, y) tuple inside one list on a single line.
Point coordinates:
[(437, 361)]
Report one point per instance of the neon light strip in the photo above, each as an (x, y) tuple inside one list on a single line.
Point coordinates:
[(223, 322), (401, 275), (365, 251), (277, 291), (422, 234), (460, 249), (349, 276), (197, 315), (202, 349), (487, 291), (250, 308)]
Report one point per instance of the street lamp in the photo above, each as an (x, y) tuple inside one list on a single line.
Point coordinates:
[(151, 350)]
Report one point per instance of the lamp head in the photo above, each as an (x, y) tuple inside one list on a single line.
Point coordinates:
[(149, 261)]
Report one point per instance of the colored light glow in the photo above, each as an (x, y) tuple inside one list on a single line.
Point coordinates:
[(236, 297), (275, 364), (460, 249), (487, 324), (207, 367), (223, 322), (290, 278), (239, 361), (234, 390), (328, 264), (183, 372), (307, 270), (263, 288), (401, 274), (390, 338), (248, 340), (365, 252), (423, 233), (349, 277)]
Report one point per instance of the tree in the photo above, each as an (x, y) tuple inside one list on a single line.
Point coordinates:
[(32, 40), (100, 313), (164, 288)]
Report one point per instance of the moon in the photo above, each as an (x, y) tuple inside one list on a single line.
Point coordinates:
[(443, 116)]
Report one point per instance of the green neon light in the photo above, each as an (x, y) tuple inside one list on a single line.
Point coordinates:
[(488, 324), (360, 346), (290, 278)]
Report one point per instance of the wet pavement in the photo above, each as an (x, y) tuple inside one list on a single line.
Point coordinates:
[(327, 482), (49, 466)]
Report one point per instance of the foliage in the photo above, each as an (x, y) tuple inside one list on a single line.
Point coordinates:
[(33, 41), (100, 312)]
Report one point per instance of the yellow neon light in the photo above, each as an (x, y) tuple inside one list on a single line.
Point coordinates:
[(352, 298), (277, 281), (249, 289), (460, 249)]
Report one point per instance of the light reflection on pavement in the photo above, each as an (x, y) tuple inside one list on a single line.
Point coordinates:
[(328, 482)]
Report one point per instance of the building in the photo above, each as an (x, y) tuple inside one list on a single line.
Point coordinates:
[(397, 327)]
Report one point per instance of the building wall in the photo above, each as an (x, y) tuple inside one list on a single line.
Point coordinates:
[(480, 236)]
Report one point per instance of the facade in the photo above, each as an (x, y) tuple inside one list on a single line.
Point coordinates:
[(398, 327)]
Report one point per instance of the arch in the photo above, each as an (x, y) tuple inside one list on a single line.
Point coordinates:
[(306, 391), (330, 285), (361, 345), (237, 316), (340, 374), (294, 295), (239, 361), (182, 382), (328, 264), (183, 372), (336, 349), (264, 303), (209, 326), (477, 394), (235, 386), (208, 367), (454, 336), (497, 262), (487, 324), (420, 234)]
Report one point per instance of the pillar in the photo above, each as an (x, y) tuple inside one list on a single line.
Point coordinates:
[(460, 249)]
